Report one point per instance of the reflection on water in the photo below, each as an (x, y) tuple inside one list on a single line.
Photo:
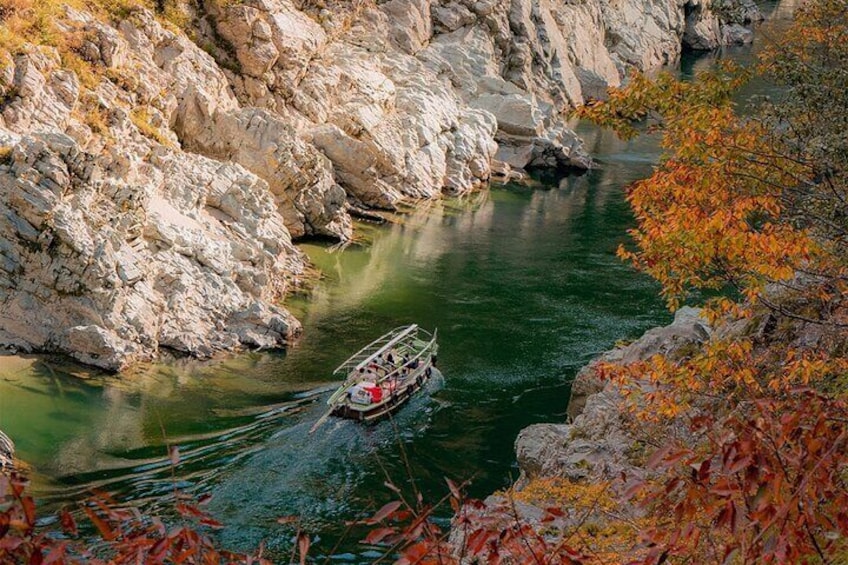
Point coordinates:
[(76, 433), (524, 287)]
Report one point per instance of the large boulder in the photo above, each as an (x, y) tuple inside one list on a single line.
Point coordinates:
[(597, 443), (177, 251)]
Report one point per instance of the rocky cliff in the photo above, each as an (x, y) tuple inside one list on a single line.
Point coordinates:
[(156, 162), (597, 444)]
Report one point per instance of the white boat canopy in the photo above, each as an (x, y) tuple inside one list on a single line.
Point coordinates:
[(374, 349)]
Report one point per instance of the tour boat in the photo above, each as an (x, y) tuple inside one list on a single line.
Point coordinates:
[(383, 375)]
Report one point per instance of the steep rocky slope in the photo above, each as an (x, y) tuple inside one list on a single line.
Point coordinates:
[(153, 175), (597, 445)]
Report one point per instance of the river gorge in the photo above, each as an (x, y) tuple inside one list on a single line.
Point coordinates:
[(521, 281)]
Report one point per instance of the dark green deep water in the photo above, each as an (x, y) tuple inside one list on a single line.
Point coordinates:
[(524, 287)]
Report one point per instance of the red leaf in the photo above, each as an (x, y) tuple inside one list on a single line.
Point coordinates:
[(402, 515), (633, 489), (656, 458), (107, 532), (384, 512), (157, 552), (739, 464), (29, 509), (211, 522), (303, 547), (69, 525), (722, 488), (417, 551), (704, 470), (477, 541), (188, 510), (376, 536), (57, 554), (727, 516)]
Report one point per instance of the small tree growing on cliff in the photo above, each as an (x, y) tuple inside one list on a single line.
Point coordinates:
[(757, 206), (741, 203)]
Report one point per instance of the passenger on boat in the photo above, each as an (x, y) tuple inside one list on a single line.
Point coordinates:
[(376, 393), (362, 376), (390, 385)]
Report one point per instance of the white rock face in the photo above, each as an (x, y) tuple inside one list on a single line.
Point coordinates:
[(180, 252), (152, 202), (110, 256)]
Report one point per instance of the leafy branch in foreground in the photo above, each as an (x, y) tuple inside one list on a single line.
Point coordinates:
[(494, 534), (714, 213), (756, 468), (125, 534), (754, 426)]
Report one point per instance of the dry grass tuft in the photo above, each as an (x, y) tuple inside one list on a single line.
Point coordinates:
[(5, 154), (141, 119)]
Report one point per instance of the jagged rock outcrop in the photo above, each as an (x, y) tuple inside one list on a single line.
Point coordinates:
[(522, 61), (597, 444), (110, 251), (109, 265), (153, 178)]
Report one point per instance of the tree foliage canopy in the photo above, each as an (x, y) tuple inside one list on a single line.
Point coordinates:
[(753, 427), (739, 203), (757, 470)]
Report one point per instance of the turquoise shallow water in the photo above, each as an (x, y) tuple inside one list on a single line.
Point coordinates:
[(524, 287)]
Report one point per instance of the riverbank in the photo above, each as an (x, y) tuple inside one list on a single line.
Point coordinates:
[(570, 492), (158, 163), (695, 432), (595, 445), (598, 445)]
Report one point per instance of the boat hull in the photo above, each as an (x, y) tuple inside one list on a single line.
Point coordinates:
[(392, 403)]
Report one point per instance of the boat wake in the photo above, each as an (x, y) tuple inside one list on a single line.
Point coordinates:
[(318, 476), (260, 469)]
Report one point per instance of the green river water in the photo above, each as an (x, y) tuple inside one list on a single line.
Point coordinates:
[(524, 288)]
